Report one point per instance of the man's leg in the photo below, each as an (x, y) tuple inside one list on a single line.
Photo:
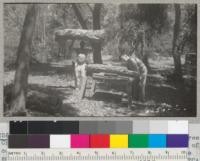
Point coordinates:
[(130, 92), (75, 74), (142, 88), (78, 77), (143, 93), (79, 80), (83, 81), (136, 87)]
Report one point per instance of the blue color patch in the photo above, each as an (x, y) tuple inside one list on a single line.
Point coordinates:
[(157, 141)]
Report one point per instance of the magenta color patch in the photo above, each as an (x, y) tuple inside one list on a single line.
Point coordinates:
[(80, 141)]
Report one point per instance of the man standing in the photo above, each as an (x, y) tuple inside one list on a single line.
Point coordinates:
[(135, 64), (80, 70), (79, 65)]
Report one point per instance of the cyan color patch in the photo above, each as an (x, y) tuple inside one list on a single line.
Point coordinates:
[(157, 141)]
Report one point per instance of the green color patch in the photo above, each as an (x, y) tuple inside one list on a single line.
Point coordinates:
[(138, 140)]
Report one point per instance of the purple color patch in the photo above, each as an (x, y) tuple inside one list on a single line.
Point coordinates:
[(177, 141), (38, 141)]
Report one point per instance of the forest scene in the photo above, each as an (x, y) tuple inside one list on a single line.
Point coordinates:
[(108, 60)]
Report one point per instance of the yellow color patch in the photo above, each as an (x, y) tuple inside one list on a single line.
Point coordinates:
[(118, 141)]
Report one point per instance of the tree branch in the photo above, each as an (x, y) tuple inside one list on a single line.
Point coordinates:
[(79, 16), (88, 5)]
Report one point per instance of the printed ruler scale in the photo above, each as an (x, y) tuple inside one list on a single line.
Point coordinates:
[(98, 154)]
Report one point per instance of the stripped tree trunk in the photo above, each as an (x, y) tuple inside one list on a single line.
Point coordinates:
[(87, 35)]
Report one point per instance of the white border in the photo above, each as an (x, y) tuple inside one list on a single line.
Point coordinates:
[(193, 119)]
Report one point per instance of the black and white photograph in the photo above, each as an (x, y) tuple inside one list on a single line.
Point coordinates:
[(100, 59)]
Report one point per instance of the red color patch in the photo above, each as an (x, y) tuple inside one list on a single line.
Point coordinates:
[(100, 141)]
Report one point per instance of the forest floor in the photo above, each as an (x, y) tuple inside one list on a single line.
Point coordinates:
[(51, 93)]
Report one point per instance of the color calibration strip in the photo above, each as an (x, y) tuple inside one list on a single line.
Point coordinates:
[(100, 127), (99, 134), (99, 141)]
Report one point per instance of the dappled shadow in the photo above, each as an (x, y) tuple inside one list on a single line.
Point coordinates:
[(44, 101), (173, 101), (54, 100), (107, 97), (46, 69), (161, 71), (68, 110), (162, 93)]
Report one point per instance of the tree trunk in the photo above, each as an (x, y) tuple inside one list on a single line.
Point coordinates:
[(18, 105), (122, 19), (79, 16), (175, 52), (44, 28), (140, 48), (143, 51), (97, 26)]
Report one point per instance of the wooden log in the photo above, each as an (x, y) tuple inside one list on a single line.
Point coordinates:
[(81, 34), (123, 71)]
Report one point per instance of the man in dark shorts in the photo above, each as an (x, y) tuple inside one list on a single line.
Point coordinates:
[(135, 64)]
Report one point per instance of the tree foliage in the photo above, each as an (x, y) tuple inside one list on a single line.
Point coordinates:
[(143, 17), (122, 23), (190, 26)]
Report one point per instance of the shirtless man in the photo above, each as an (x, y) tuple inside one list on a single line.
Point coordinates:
[(135, 64)]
